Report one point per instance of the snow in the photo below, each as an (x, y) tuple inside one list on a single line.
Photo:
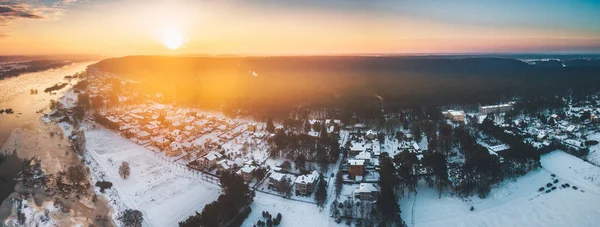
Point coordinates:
[(594, 155), (165, 192), (294, 213), (516, 202)]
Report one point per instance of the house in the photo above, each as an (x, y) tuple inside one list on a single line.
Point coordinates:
[(367, 191), (143, 135), (275, 178), (209, 160), (305, 184), (175, 149), (366, 156), (357, 148), (247, 172), (453, 115), (225, 165), (494, 150), (160, 142), (376, 147), (252, 127), (495, 108), (371, 134), (577, 145), (356, 168)]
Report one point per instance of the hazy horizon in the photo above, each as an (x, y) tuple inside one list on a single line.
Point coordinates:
[(267, 27)]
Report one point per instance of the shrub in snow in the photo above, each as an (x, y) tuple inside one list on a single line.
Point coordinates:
[(541, 189), (554, 188), (472, 208), (548, 191), (567, 184), (277, 219), (131, 218), (549, 185), (575, 187), (103, 185), (553, 175), (556, 181)]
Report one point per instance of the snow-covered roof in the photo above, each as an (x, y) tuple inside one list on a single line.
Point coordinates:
[(416, 146), (213, 156), (499, 148), (225, 163), (277, 176), (363, 156), (358, 147), (159, 139), (366, 188), (176, 146), (247, 169), (309, 178), (496, 106), (354, 162), (143, 133)]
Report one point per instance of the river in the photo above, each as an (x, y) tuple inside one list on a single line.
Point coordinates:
[(15, 94)]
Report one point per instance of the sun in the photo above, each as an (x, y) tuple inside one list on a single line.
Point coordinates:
[(173, 40)]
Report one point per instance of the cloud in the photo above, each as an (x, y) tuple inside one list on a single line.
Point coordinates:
[(10, 11)]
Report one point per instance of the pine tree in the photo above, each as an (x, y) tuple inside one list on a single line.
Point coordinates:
[(321, 194), (307, 127), (270, 127)]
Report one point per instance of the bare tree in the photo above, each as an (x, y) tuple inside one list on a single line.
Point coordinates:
[(124, 170)]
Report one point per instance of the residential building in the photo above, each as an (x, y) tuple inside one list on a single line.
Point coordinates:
[(367, 191), (275, 178), (305, 184), (210, 160), (247, 172), (495, 108), (453, 115), (356, 168)]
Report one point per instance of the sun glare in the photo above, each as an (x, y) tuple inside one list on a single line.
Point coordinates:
[(173, 40)]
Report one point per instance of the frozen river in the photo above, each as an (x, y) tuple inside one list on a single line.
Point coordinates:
[(15, 93)]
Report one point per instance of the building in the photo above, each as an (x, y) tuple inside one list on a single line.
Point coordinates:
[(305, 184), (366, 156), (247, 172), (376, 148), (357, 148), (495, 108), (160, 142), (275, 178), (225, 165), (356, 168), (175, 149), (456, 116), (367, 191), (252, 127), (209, 161)]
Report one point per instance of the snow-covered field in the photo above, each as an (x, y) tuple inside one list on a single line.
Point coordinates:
[(166, 193), (294, 213), (517, 202)]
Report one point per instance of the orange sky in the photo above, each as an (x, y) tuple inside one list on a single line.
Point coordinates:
[(116, 28)]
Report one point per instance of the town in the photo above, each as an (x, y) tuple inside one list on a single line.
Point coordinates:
[(356, 173)]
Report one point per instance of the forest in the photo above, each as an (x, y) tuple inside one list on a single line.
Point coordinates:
[(274, 86)]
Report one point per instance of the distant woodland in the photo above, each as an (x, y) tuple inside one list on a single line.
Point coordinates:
[(274, 86), (30, 66)]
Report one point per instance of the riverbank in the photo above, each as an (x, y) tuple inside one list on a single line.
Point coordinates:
[(44, 140)]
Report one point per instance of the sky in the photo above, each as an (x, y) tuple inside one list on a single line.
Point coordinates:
[(297, 27)]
